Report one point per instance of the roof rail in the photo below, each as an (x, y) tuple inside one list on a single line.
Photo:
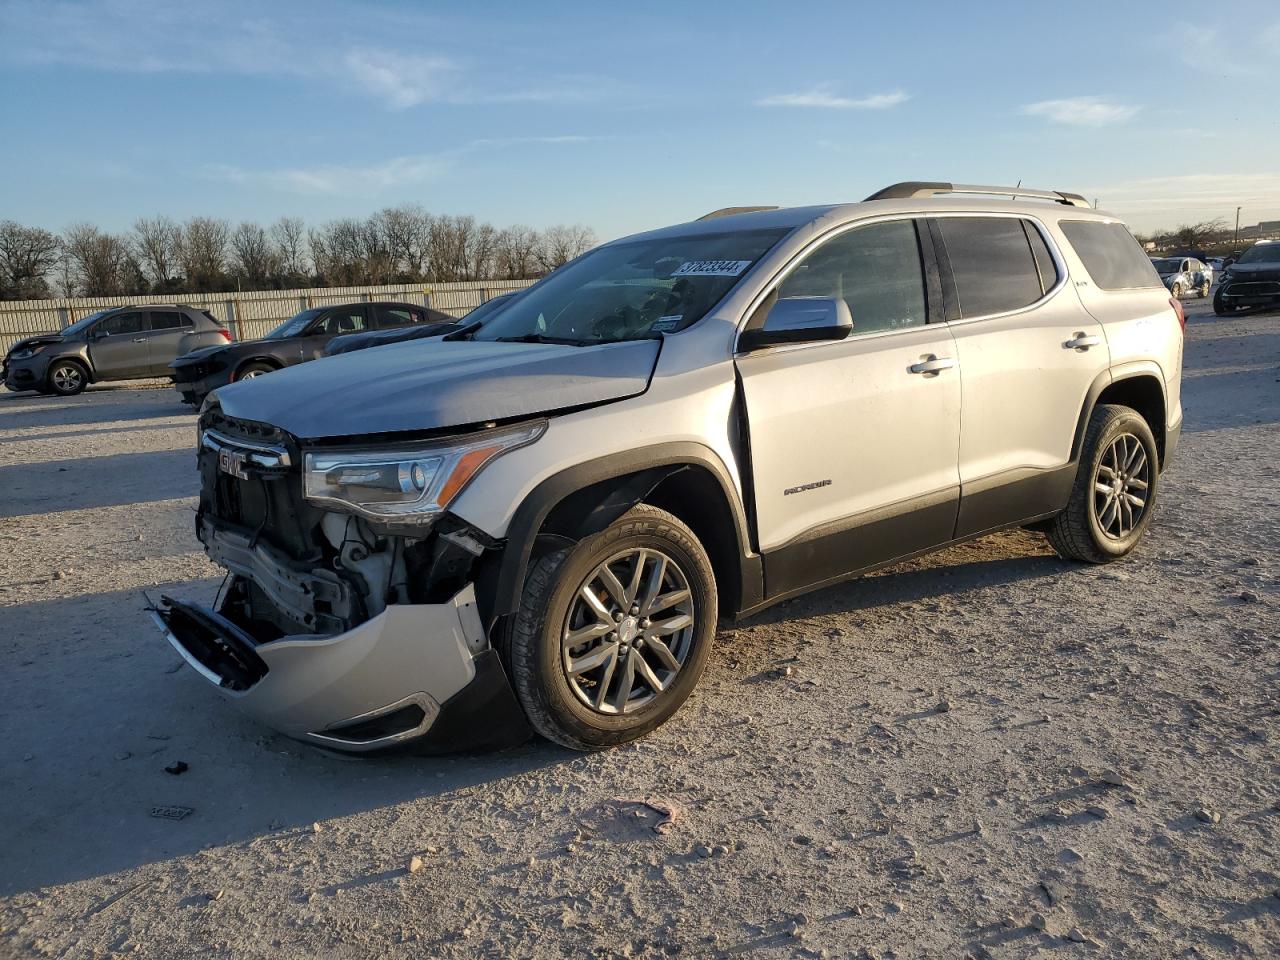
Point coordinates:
[(915, 189), (730, 211)]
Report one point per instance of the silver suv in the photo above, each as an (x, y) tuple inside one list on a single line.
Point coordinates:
[(122, 343), (538, 520)]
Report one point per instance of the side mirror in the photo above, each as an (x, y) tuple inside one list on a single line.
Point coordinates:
[(800, 320)]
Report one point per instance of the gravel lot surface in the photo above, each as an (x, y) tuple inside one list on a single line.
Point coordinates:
[(985, 752)]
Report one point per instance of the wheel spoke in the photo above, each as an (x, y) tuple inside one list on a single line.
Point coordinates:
[(663, 652), (1108, 515), (637, 574), (613, 585), (596, 657), (646, 672), (592, 601), (1134, 501), (1131, 456), (605, 679), (1136, 484), (575, 638), (1105, 472), (1102, 488), (668, 627), (625, 683), (653, 585)]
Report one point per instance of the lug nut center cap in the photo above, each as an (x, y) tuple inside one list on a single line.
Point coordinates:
[(628, 630)]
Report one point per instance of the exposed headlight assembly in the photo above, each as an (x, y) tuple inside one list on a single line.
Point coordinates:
[(411, 484), (25, 353)]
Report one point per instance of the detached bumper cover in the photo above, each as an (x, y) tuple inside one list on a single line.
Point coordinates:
[(420, 675)]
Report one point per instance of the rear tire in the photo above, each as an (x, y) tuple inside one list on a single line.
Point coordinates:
[(641, 596), (1115, 491), (66, 378)]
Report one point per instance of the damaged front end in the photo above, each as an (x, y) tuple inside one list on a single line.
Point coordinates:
[(350, 617)]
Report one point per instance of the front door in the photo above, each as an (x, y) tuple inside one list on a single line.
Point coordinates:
[(119, 346), (853, 443), (351, 318)]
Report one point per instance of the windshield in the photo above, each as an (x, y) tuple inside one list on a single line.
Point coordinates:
[(294, 325), (1167, 266), (84, 322), (1261, 253), (631, 291)]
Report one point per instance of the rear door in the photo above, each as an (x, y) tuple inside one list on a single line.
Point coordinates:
[(119, 346), (168, 328), (390, 316), (1028, 354), (853, 443)]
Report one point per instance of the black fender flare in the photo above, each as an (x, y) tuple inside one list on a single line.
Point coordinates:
[(1100, 383), (645, 468)]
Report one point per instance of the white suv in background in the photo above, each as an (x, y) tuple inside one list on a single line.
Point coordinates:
[(538, 520)]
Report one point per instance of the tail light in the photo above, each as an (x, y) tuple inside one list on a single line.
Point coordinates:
[(1177, 308), (226, 334)]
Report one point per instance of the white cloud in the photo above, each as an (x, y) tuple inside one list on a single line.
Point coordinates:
[(1081, 111), (823, 97), (399, 80)]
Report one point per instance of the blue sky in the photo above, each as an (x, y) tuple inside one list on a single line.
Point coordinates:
[(625, 117)]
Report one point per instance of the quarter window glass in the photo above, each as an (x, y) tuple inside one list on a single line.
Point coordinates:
[(1111, 255), (168, 320), (1044, 262), (992, 264), (396, 316), (874, 269), (122, 323)]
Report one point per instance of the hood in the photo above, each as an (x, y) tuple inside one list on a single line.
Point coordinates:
[(224, 349), (434, 384), (39, 338), (1256, 271)]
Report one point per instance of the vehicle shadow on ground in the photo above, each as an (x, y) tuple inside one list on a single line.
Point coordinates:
[(56, 486), (94, 714), (93, 407)]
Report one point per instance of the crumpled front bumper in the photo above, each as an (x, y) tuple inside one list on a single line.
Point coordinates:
[(420, 675)]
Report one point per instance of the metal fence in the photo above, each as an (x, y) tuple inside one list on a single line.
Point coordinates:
[(248, 315)]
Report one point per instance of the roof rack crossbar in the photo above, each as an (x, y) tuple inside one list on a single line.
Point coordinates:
[(915, 189), (730, 211)]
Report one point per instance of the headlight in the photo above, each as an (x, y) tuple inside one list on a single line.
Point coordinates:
[(24, 353), (409, 484)]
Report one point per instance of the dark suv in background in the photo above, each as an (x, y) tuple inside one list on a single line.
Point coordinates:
[(1252, 281), (300, 338), (123, 343)]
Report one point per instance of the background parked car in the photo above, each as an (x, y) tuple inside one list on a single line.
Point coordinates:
[(377, 338), (1184, 274), (123, 343), (1252, 281), (300, 338)]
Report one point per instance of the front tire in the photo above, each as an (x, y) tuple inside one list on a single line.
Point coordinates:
[(1220, 304), (1204, 290), (251, 370), (1114, 495), (67, 378), (613, 633), (1176, 290)]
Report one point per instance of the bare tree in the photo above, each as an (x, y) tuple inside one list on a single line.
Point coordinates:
[(516, 253), (253, 259), (202, 251), (27, 256), (101, 262), (561, 243), (155, 244), (289, 236), (1192, 236)]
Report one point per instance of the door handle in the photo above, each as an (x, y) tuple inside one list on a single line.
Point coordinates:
[(932, 365), (140, 340), (1082, 342)]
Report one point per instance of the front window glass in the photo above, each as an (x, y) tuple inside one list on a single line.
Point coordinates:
[(344, 320), (294, 325), (631, 291), (1261, 253), (85, 322), (121, 323), (874, 269)]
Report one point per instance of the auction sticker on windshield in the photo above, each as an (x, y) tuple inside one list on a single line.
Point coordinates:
[(711, 268)]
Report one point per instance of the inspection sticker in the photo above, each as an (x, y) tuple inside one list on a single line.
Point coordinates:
[(663, 324), (711, 268)]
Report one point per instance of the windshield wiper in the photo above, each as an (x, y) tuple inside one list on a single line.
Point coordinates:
[(542, 338)]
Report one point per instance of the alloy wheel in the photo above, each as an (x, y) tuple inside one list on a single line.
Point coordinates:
[(629, 630), (1120, 486), (67, 378)]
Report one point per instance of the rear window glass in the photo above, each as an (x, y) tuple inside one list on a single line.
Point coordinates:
[(992, 264), (1111, 255)]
